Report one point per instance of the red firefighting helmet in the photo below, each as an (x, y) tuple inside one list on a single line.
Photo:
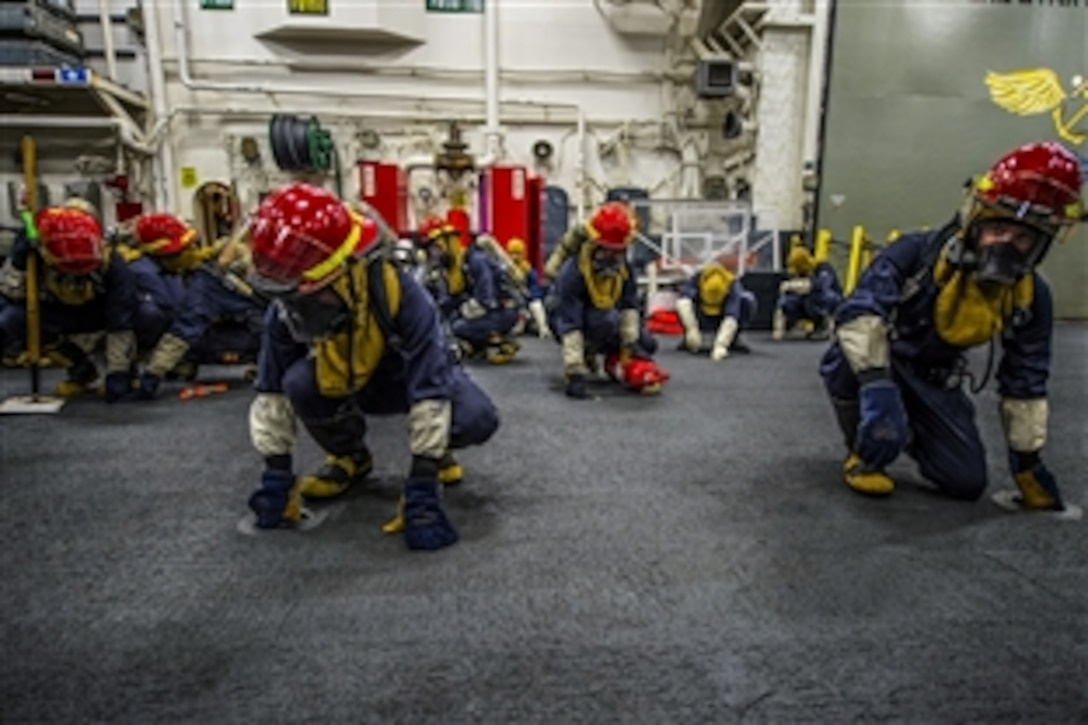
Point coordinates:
[(162, 234), (71, 240), (1037, 184), (612, 226), (432, 228), (301, 236)]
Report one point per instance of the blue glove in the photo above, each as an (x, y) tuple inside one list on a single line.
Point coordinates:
[(149, 386), (426, 527), (118, 387), (576, 387), (20, 250), (882, 431), (271, 501), (1038, 487)]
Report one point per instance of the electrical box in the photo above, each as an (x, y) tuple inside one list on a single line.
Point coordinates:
[(385, 187), (716, 79)]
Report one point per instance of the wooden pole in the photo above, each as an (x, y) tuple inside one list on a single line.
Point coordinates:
[(33, 304)]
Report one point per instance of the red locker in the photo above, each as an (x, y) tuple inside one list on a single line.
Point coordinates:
[(507, 203), (125, 210), (385, 187)]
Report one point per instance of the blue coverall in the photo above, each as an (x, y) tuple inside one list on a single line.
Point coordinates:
[(740, 304), (420, 368), (821, 301), (941, 417), (572, 310), (484, 282)]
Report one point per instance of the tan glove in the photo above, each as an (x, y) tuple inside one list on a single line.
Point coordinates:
[(726, 332), (471, 309), (536, 309), (693, 338), (798, 285)]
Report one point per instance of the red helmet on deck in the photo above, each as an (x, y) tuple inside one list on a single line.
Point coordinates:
[(301, 236), (162, 234), (71, 240), (1037, 184), (612, 226)]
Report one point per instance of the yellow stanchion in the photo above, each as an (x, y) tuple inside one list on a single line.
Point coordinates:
[(823, 245), (853, 267), (35, 402)]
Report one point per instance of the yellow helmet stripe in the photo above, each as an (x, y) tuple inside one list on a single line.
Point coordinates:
[(324, 269)]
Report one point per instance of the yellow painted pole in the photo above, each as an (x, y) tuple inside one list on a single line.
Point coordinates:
[(823, 245), (866, 254), (33, 304), (853, 268)]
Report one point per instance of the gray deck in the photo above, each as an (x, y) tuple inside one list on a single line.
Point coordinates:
[(690, 558)]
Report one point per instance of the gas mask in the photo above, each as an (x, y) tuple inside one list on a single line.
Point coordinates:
[(1005, 251), (311, 317), (607, 263)]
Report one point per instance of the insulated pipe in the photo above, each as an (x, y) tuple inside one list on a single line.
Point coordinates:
[(107, 39), (125, 130), (163, 182), (181, 40), (580, 176), (827, 19), (814, 97), (491, 77)]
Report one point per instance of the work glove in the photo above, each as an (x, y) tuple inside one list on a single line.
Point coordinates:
[(118, 387), (727, 333), (148, 387), (276, 502), (693, 340), (576, 386), (471, 309), (882, 431), (426, 527), (1038, 487), (798, 286), (540, 319)]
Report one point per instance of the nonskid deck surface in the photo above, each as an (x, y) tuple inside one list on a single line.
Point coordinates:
[(687, 558)]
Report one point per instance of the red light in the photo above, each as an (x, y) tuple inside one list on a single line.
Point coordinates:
[(43, 75)]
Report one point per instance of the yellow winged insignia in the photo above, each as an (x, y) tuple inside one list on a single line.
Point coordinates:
[(1026, 92)]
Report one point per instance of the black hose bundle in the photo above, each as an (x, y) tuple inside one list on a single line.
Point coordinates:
[(303, 146)]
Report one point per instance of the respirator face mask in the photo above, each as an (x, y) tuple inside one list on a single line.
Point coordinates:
[(1006, 251), (607, 263), (311, 317)]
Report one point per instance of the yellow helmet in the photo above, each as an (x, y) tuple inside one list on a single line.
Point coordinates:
[(516, 248), (714, 283), (800, 262)]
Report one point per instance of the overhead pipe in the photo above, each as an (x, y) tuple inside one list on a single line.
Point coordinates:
[(492, 133), (107, 38), (164, 171), (817, 59), (181, 39), (124, 129), (827, 18), (519, 76)]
